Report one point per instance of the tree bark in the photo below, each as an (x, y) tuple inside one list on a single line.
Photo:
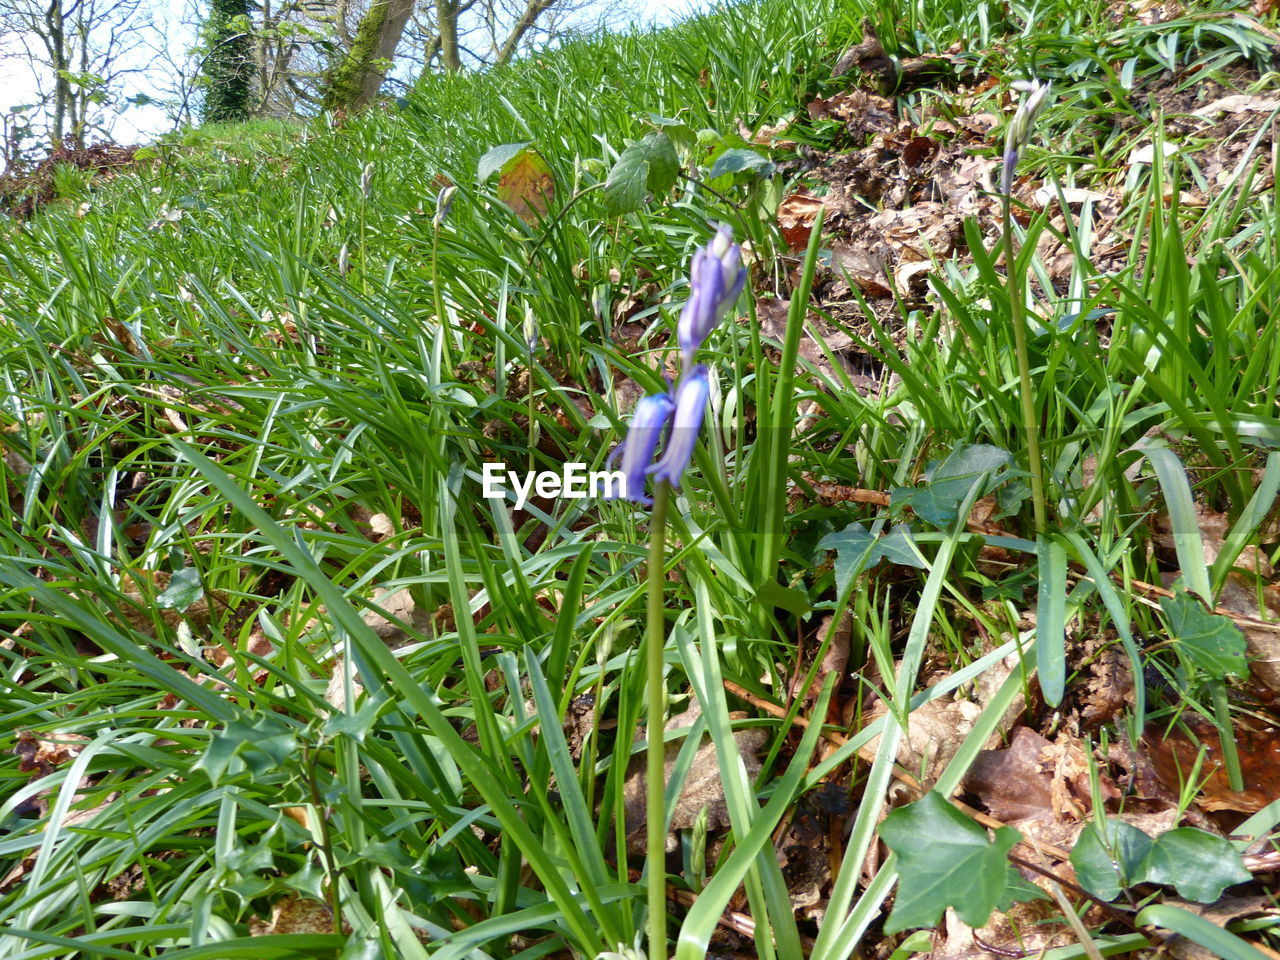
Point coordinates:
[(356, 78), (447, 23), (59, 60)]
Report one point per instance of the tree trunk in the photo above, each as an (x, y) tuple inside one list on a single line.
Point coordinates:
[(60, 61), (447, 23), (356, 78), (228, 68)]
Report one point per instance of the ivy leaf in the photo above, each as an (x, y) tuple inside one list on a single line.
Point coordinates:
[(947, 483), (1209, 641), (1199, 864), (183, 590), (899, 547), (953, 477), (944, 860), (647, 166), (740, 160), (795, 602), (1110, 856), (854, 546), (1018, 889), (857, 550)]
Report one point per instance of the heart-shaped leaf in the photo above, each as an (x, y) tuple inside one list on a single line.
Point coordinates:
[(944, 860), (1198, 863), (1209, 641), (1109, 856)]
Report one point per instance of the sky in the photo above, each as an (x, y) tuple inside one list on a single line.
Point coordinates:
[(140, 124)]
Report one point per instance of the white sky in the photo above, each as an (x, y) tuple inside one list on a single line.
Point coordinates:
[(18, 82)]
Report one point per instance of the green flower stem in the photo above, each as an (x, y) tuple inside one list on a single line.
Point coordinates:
[(655, 721), (1029, 423)]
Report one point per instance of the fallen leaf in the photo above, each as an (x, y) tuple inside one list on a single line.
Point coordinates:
[(702, 786), (796, 216), (935, 731), (294, 915), (1238, 103), (1013, 783), (398, 614), (1173, 757), (1214, 528), (1221, 913), (1074, 196), (772, 316), (862, 268), (41, 753), (1146, 153)]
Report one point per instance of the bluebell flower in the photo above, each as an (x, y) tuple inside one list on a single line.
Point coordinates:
[(1018, 134), (690, 406), (651, 415), (715, 281)]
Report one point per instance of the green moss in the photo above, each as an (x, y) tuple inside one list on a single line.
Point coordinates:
[(347, 78)]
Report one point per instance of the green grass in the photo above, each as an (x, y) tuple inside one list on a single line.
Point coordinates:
[(194, 390)]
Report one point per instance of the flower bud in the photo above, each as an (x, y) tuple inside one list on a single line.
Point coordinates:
[(716, 278)]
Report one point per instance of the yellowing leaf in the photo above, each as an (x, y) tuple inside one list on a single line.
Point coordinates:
[(525, 184)]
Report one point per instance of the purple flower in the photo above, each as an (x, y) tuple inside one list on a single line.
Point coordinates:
[(690, 405), (1011, 158), (715, 281), (652, 414), (1018, 133)]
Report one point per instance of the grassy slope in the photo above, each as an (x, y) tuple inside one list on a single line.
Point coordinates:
[(201, 300)]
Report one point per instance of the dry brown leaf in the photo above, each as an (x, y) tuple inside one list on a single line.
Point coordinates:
[(1174, 755), (1239, 103), (796, 216), (920, 232), (702, 787), (1109, 687), (294, 915), (772, 316), (769, 135), (1151, 12), (934, 733), (863, 268), (1013, 783), (527, 186), (401, 611), (1074, 196), (1221, 913), (1214, 528)]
